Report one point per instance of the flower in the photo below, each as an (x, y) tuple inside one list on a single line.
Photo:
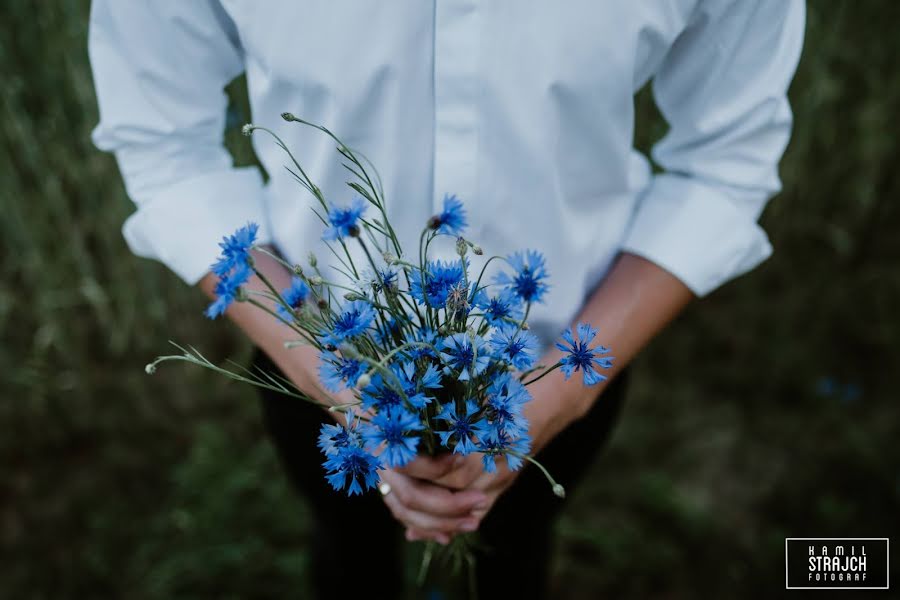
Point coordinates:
[(333, 438), (506, 397), (381, 395), (466, 354), (384, 278), (390, 428), (232, 268), (434, 285), (452, 219), (227, 289), (581, 358), (461, 427), (235, 249), (425, 335), (354, 320), (527, 283), (352, 467), (334, 370), (492, 442), (343, 220), (503, 308), (411, 383), (515, 345), (295, 296), (347, 462)]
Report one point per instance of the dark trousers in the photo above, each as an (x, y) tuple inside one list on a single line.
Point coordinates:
[(357, 545)]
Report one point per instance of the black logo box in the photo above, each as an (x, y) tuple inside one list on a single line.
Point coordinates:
[(863, 563)]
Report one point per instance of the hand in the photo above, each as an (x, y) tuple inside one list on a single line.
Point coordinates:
[(548, 413), (427, 510)]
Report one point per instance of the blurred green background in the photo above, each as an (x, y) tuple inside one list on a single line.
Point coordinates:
[(768, 410)]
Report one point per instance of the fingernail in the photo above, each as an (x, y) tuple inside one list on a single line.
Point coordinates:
[(469, 525)]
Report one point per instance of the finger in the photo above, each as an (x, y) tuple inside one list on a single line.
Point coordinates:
[(403, 498), (462, 477), (440, 502), (431, 468)]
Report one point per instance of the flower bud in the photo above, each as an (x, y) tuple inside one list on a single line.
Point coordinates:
[(150, 369), (316, 280), (352, 296), (525, 326), (559, 490), (241, 295), (461, 246), (363, 381), (247, 129), (288, 117), (434, 222), (389, 258), (298, 270), (476, 249), (313, 261), (322, 303)]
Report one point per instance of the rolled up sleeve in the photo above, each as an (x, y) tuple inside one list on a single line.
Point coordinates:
[(160, 69), (723, 90)]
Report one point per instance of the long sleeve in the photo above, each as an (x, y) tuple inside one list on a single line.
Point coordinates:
[(160, 69), (723, 90)]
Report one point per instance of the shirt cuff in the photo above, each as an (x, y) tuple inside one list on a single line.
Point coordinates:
[(697, 232), (182, 225)]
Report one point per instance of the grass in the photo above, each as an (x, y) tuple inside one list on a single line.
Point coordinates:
[(767, 410)]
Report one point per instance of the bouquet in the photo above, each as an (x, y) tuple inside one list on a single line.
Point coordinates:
[(437, 356)]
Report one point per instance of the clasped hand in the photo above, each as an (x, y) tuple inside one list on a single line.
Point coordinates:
[(437, 498)]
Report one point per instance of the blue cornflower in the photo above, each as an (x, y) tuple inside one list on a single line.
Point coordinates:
[(452, 219), (462, 426), (355, 318), (294, 296), (335, 437), (348, 464), (344, 219), (429, 336), (515, 345), (235, 249), (227, 289), (232, 268), (580, 357), (467, 355), (527, 282), (435, 284), (335, 371), (502, 308), (380, 395), (411, 384), (352, 467), (391, 428), (506, 397), (376, 280), (493, 441)]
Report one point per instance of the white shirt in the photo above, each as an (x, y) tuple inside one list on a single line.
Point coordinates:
[(524, 109)]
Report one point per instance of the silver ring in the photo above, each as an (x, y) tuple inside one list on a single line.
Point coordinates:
[(385, 488)]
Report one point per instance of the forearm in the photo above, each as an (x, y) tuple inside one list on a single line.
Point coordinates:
[(635, 301), (297, 363)]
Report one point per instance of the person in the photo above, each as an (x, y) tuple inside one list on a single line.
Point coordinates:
[(522, 109)]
